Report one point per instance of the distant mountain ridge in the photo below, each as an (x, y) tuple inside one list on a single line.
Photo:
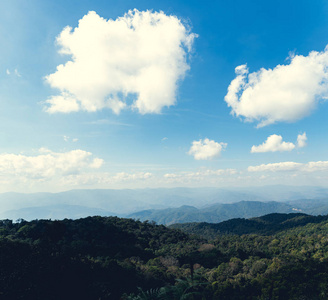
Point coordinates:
[(56, 212), (265, 225), (131, 201), (214, 213)]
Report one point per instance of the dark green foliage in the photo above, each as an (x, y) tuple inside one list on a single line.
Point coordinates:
[(281, 257), (82, 259), (266, 225)]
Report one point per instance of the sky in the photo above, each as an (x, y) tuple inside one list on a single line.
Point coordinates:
[(144, 94)]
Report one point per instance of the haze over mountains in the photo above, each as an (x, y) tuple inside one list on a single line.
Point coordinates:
[(172, 205), (214, 213)]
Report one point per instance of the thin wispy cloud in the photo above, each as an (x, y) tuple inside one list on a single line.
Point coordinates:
[(15, 72), (109, 122), (291, 166)]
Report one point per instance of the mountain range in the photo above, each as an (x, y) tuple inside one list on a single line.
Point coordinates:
[(166, 206)]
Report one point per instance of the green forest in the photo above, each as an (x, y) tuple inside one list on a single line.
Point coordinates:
[(277, 256)]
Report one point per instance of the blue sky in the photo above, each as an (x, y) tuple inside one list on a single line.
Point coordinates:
[(152, 98)]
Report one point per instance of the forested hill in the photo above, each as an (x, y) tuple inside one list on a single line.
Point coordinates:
[(265, 225), (214, 213), (91, 258), (113, 258)]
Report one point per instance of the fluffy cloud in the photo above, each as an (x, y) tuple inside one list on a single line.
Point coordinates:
[(272, 144), (206, 149), (301, 140), (47, 164), (291, 166), (275, 143), (284, 94), (138, 57)]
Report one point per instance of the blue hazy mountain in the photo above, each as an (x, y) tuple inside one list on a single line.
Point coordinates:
[(75, 203), (212, 214)]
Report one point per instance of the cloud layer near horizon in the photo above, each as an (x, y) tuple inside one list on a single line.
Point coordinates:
[(312, 166), (285, 93), (47, 164), (137, 58)]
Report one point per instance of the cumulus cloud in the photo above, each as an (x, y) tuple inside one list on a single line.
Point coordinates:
[(272, 144), (139, 57), (291, 166), (47, 163), (275, 143), (301, 140), (206, 149), (285, 93)]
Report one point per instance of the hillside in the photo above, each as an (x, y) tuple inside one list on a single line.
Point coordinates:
[(82, 259), (113, 258), (266, 225)]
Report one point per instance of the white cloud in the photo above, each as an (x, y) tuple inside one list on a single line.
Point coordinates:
[(47, 164), (104, 178), (313, 166), (275, 143), (17, 73), (284, 94), (67, 139), (123, 176), (141, 55), (282, 166), (201, 174), (272, 144), (207, 149), (201, 177), (64, 103), (301, 140)]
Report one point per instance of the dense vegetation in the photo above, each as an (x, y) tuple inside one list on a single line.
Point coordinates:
[(267, 225), (113, 258)]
